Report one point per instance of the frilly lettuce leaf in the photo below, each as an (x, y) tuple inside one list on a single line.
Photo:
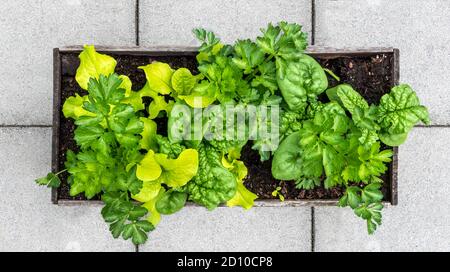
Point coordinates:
[(73, 107), (149, 191), (148, 169), (93, 64), (158, 76), (183, 81), (202, 95), (177, 172), (243, 197), (148, 134), (132, 98), (154, 216)]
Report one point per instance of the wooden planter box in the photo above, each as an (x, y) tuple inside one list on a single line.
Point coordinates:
[(319, 53)]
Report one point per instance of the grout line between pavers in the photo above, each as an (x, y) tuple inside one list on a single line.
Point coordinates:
[(136, 22), (313, 230), (313, 21), (313, 40)]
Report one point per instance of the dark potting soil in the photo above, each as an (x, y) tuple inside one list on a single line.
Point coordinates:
[(370, 75)]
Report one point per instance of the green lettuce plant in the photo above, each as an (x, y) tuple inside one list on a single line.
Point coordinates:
[(341, 141)]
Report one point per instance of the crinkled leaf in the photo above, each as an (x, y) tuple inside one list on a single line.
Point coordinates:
[(399, 111), (171, 202), (213, 184)]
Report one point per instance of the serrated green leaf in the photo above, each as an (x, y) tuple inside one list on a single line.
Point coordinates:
[(51, 180)]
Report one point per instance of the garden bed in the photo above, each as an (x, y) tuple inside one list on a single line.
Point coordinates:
[(370, 71)]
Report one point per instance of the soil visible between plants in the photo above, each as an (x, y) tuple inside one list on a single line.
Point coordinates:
[(370, 75)]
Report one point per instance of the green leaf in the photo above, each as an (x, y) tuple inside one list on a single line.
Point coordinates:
[(213, 183), (92, 65), (135, 232), (372, 214), (208, 39), (372, 161), (202, 95), (243, 197), (393, 139), (171, 202), (86, 135), (287, 160), (372, 193), (148, 169), (398, 112), (365, 117), (159, 104), (51, 180), (183, 81), (136, 213), (351, 197), (177, 172), (73, 107), (267, 77), (307, 183), (148, 140), (248, 55), (158, 76), (124, 217), (299, 80), (106, 90), (349, 98), (284, 40)]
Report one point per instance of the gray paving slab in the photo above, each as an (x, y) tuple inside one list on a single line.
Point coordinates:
[(233, 229), (419, 28), (171, 22), (30, 29), (420, 222), (29, 222)]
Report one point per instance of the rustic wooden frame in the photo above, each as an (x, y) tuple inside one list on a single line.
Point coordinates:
[(324, 52)]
